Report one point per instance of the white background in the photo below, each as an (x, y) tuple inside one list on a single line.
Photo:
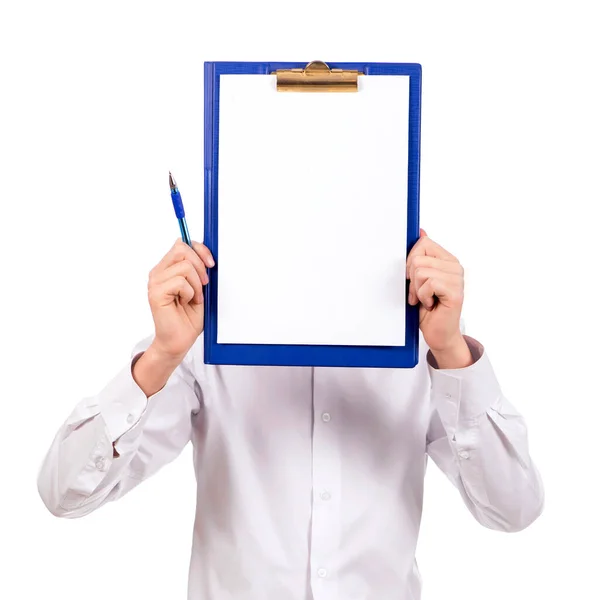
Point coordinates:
[(99, 100)]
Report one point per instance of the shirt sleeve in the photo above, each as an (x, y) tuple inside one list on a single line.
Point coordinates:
[(81, 471), (479, 440)]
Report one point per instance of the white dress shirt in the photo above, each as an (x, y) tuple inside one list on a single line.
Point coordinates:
[(309, 480)]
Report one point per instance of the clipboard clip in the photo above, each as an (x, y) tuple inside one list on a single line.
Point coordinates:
[(316, 77)]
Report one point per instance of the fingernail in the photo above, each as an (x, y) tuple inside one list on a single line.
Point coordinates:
[(210, 262)]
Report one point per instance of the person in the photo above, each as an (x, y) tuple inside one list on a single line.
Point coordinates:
[(309, 480)]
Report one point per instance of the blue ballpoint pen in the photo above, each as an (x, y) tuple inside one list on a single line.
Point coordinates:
[(179, 211)]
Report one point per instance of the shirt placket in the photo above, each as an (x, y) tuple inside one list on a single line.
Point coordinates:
[(326, 490)]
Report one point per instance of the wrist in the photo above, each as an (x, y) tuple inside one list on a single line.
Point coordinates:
[(153, 369), (162, 358), (454, 355)]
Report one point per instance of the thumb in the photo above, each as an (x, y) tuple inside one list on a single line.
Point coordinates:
[(423, 233)]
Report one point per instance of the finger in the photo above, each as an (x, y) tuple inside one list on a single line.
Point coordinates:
[(447, 266), (203, 253), (447, 290), (177, 288), (427, 247), (419, 261), (180, 251), (420, 275), (194, 269), (185, 269), (422, 232), (426, 294)]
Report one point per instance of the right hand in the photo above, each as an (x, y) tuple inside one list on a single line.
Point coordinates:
[(176, 298)]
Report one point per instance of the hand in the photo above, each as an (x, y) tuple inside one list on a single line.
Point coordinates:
[(436, 281), (177, 301)]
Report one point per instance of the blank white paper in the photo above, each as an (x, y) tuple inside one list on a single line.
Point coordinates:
[(312, 213)]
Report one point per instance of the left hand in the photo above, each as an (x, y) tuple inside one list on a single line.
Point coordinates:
[(436, 281)]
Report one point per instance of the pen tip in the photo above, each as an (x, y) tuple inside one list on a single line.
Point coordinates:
[(172, 182)]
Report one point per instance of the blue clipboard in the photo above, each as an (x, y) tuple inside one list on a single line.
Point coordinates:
[(304, 355)]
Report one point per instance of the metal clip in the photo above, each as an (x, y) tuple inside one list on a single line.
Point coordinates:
[(316, 77)]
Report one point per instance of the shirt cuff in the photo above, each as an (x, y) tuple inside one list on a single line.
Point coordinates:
[(122, 402), (462, 395)]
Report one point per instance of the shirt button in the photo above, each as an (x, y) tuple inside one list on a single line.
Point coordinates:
[(130, 418), (322, 573), (447, 395), (464, 454), (326, 417), (100, 464), (326, 496)]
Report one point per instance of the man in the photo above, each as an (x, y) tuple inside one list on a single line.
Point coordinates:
[(310, 480)]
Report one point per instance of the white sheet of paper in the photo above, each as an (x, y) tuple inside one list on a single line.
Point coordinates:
[(312, 213)]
